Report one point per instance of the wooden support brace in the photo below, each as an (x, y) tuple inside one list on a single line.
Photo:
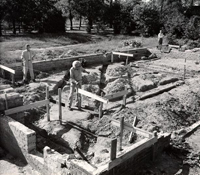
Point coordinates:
[(26, 107), (6, 100), (132, 133), (60, 106), (94, 96), (47, 105), (121, 132), (129, 127), (122, 54), (13, 79), (7, 69), (113, 151), (112, 59), (126, 61)]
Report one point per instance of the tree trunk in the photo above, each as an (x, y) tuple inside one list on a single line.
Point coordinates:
[(89, 25), (14, 26), (80, 20), (111, 20), (71, 20), (0, 28)]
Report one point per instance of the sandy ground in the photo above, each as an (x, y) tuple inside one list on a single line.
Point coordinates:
[(167, 112)]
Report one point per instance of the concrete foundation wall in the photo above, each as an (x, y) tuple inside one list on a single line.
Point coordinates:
[(16, 138), (65, 63)]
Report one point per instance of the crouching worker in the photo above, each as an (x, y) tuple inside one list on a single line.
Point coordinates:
[(75, 83), (27, 57)]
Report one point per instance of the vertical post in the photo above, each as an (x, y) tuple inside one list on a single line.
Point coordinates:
[(124, 98), (112, 58), (121, 132), (101, 108), (59, 103), (131, 134), (113, 151), (13, 79), (47, 105), (153, 148), (6, 100), (184, 69), (126, 61)]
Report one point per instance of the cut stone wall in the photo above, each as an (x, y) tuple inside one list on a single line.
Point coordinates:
[(16, 138)]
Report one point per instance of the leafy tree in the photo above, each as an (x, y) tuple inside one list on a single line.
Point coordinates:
[(91, 9), (2, 13), (146, 17)]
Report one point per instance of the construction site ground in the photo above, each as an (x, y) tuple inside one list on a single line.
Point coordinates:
[(173, 109)]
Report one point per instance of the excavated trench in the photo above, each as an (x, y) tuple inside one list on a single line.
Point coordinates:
[(167, 111)]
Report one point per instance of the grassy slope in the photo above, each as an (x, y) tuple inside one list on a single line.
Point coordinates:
[(78, 43)]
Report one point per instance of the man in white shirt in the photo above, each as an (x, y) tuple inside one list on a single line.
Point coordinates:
[(27, 57), (75, 82), (160, 38)]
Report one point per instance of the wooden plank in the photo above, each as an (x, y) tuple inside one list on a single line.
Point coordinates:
[(91, 95), (116, 95), (129, 127), (124, 98), (26, 107), (122, 54), (139, 146), (113, 151), (7, 69)]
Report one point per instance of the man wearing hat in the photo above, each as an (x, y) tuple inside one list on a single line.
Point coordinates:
[(75, 82)]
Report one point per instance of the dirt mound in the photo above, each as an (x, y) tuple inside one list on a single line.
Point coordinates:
[(92, 78), (142, 85), (119, 70), (117, 86)]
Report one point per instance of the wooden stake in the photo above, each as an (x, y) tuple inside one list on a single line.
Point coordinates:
[(124, 98), (113, 151), (47, 105), (121, 132), (101, 108), (13, 79), (184, 70), (112, 59), (126, 61), (59, 103), (132, 133), (6, 100)]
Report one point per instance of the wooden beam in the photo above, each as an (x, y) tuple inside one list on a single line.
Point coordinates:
[(133, 150), (122, 54), (26, 107), (129, 127), (91, 95), (7, 69), (116, 95), (113, 151)]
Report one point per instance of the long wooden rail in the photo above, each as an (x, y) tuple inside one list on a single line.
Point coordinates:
[(4, 68)]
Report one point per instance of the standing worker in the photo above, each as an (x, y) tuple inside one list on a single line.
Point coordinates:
[(75, 83), (160, 39), (27, 57)]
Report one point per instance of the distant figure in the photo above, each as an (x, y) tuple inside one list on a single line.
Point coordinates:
[(27, 57), (160, 39), (75, 83)]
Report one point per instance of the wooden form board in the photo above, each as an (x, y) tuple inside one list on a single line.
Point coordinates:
[(94, 96), (116, 95), (7, 69), (26, 107), (122, 54), (129, 127), (133, 150)]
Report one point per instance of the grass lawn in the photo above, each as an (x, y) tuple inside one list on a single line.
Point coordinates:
[(51, 46)]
